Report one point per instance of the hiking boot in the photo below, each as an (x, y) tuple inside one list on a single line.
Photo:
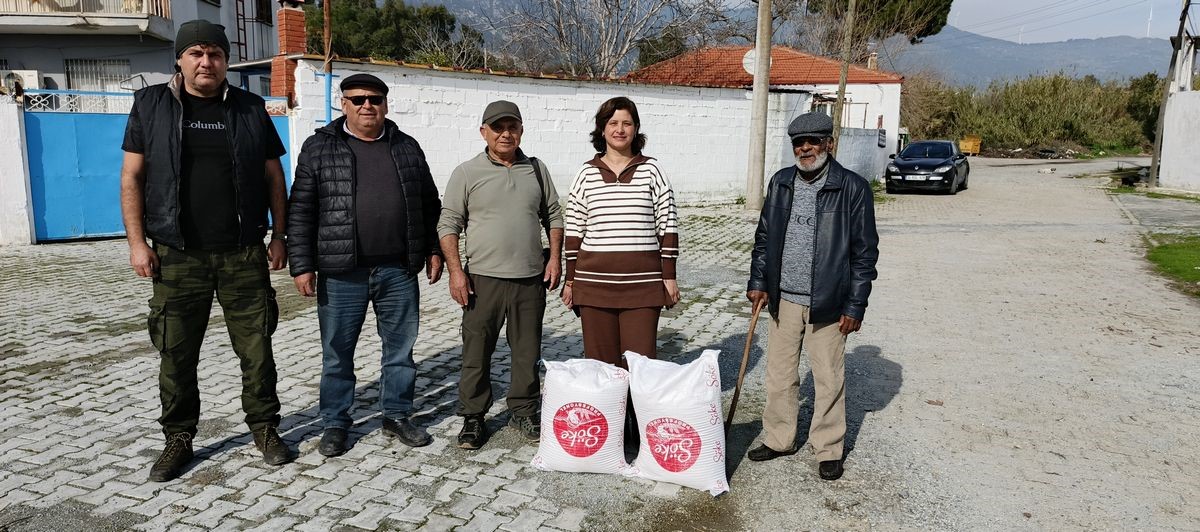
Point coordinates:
[(408, 434), (333, 442), (175, 457), (274, 451), (473, 432), (529, 427)]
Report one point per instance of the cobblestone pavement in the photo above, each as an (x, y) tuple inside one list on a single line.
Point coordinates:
[(1019, 367)]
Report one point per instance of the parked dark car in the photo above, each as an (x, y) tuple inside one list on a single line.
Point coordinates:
[(936, 165)]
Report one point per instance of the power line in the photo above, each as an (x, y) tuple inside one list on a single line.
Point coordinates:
[(1036, 28), (1048, 16), (1020, 14), (1126, 6)]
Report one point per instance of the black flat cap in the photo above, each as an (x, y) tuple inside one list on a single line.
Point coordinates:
[(813, 124), (364, 81), (199, 31)]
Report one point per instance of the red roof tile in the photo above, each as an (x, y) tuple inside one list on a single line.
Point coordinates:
[(722, 67)]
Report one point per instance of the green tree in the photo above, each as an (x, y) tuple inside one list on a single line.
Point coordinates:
[(817, 26), (670, 43), (395, 31), (1145, 97)]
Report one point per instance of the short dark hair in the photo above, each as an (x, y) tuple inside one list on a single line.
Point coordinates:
[(606, 112)]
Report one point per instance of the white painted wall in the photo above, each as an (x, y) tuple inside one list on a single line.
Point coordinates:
[(700, 136), (1179, 166), (16, 204)]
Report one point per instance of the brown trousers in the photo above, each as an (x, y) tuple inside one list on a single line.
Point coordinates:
[(827, 358), (610, 332)]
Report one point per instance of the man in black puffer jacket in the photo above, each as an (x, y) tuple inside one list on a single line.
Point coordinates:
[(363, 222)]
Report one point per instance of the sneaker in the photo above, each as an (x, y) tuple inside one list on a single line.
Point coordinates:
[(274, 451), (333, 442), (175, 456), (408, 434), (529, 427), (473, 432)]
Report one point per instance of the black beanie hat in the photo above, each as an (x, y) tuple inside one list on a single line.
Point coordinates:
[(198, 31)]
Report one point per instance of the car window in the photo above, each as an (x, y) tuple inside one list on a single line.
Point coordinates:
[(926, 150)]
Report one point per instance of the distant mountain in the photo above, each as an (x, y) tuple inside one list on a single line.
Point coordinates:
[(965, 58)]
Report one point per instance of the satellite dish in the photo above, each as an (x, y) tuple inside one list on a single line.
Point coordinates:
[(748, 62)]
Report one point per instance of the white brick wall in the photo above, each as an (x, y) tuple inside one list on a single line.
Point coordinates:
[(16, 205), (700, 136)]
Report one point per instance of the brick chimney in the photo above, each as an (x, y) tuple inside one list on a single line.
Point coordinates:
[(873, 61), (290, 26)]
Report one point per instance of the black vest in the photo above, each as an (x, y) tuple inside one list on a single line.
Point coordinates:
[(161, 116)]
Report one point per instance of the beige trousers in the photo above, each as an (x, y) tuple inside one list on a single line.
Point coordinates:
[(826, 347)]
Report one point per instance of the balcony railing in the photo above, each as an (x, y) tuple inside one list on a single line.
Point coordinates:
[(161, 8)]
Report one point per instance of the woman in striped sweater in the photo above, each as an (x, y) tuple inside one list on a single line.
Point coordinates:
[(622, 240)]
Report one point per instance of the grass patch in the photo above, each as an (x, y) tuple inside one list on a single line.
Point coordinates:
[(877, 187), (1117, 188), (1163, 195), (1177, 256)]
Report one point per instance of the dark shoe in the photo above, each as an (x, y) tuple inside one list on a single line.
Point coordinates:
[(830, 469), (473, 433), (408, 434), (333, 442), (763, 453), (175, 456), (274, 451), (529, 427)]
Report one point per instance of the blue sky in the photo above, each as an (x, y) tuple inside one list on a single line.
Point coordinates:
[(1059, 20)]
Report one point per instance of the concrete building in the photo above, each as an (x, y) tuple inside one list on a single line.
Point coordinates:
[(116, 45)]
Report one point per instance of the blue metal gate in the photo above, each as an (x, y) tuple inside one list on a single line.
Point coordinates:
[(73, 139)]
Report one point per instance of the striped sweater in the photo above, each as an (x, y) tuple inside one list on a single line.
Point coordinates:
[(622, 235)]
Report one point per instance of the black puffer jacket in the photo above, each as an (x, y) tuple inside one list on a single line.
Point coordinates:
[(155, 129), (321, 222), (847, 245)]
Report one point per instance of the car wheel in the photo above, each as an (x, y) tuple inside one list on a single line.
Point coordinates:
[(889, 188), (953, 187), (963, 186)]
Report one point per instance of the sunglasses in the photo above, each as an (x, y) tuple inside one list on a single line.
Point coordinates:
[(811, 141), (358, 101)]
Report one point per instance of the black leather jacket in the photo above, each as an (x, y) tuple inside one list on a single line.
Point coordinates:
[(847, 245), (321, 221), (156, 124)]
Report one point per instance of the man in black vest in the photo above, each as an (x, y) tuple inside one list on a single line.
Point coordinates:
[(201, 169), (363, 215)]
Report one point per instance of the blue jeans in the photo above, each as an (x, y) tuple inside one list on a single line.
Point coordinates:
[(341, 309)]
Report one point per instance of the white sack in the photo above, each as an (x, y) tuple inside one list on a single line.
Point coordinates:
[(678, 411), (583, 418)]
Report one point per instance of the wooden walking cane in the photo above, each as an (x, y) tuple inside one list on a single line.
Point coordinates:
[(737, 390)]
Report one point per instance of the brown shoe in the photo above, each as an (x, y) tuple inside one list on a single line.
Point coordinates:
[(176, 455), (274, 451)]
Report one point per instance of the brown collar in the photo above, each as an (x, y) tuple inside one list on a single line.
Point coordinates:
[(626, 174)]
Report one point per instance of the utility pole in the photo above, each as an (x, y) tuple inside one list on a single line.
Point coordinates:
[(847, 41), (1176, 44), (758, 117), (328, 37)]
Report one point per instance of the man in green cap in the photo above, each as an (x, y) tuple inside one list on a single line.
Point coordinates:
[(503, 200), (201, 170)]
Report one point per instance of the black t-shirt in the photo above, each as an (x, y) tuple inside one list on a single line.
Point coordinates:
[(379, 210), (207, 197)]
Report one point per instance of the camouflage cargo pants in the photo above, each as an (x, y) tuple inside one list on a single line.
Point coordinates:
[(179, 310)]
